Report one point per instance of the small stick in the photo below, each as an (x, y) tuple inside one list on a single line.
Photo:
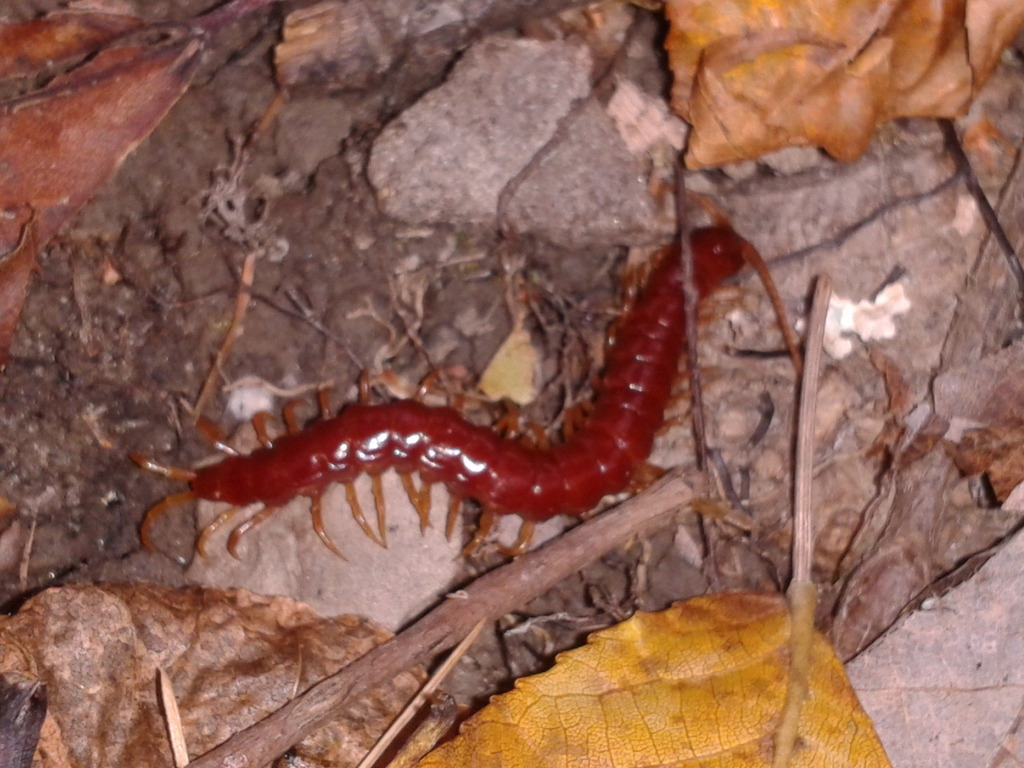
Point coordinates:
[(691, 298), (179, 749), (489, 597), (234, 331), (988, 213), (802, 593)]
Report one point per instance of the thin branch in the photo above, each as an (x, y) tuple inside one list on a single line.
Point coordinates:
[(416, 704), (690, 300), (489, 597), (988, 213), (234, 331)]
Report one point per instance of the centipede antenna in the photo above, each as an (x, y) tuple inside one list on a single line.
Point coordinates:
[(522, 541), (754, 259), (175, 473), (212, 528), (454, 509), (317, 514), (157, 510), (419, 498), (214, 436), (259, 423), (378, 503), (482, 530), (291, 422), (357, 512)]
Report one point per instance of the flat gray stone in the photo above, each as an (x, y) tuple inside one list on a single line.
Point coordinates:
[(446, 159)]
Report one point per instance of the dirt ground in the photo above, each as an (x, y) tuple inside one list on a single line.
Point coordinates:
[(134, 297)]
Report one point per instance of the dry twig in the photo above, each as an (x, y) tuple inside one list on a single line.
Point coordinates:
[(489, 597)]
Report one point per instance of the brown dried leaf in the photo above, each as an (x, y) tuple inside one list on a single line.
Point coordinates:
[(997, 453), (753, 78), (57, 37), (232, 658), (59, 144), (16, 269)]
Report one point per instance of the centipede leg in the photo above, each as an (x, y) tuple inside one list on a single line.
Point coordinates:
[(428, 383), (259, 423), (158, 510), (522, 541), (208, 531), (536, 437), (419, 498), (316, 513), (323, 401), (364, 387), (236, 535), (574, 419), (454, 509), (215, 436), (174, 473), (357, 512), (645, 476), (510, 423), (291, 423), (482, 530), (378, 502)]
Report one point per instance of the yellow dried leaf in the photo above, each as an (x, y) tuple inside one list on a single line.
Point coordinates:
[(753, 77), (509, 375), (701, 684)]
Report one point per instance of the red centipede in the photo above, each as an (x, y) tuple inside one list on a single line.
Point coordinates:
[(504, 476)]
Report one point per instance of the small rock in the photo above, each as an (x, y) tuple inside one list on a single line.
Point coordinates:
[(447, 158)]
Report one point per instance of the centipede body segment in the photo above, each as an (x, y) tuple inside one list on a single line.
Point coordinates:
[(504, 476)]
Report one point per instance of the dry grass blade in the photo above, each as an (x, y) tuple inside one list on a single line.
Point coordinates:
[(413, 707), (802, 592)]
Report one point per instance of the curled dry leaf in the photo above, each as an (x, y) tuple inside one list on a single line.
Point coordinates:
[(700, 684), (752, 78), (232, 657)]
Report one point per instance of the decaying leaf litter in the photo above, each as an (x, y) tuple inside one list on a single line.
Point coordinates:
[(782, 214)]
